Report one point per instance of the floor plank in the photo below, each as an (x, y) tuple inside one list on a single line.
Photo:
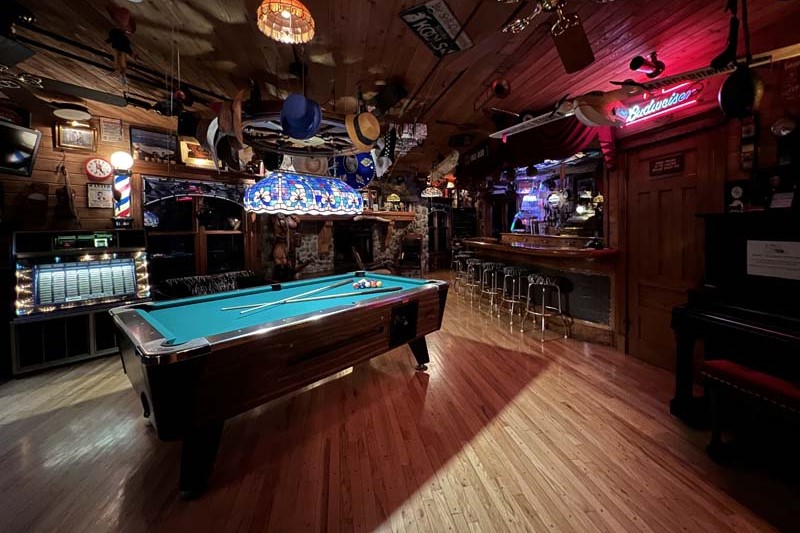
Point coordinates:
[(503, 433)]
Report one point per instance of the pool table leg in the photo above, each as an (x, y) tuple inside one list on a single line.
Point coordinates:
[(419, 347), (198, 453)]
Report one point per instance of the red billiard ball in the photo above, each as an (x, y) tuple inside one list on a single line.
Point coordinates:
[(356, 285)]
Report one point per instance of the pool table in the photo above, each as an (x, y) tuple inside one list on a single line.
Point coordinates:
[(195, 364)]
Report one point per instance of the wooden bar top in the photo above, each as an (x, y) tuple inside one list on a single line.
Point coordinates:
[(541, 250)]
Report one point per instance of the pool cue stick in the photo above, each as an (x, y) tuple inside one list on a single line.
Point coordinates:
[(307, 293), (358, 293), (331, 286), (301, 295)]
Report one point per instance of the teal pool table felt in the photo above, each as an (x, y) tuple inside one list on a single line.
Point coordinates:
[(180, 321)]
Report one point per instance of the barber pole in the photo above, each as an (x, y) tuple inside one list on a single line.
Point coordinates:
[(122, 195)]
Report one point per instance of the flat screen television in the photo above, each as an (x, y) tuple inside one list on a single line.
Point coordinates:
[(18, 149)]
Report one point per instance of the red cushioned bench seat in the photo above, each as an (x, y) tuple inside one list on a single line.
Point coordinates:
[(724, 374), (765, 386)]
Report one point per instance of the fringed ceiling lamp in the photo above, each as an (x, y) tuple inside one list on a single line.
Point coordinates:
[(291, 193), (432, 192), (286, 21)]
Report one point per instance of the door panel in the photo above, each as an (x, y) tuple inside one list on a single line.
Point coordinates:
[(665, 239)]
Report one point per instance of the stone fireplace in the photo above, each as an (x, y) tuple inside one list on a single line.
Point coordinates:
[(318, 247)]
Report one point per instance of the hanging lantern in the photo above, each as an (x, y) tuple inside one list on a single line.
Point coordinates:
[(286, 21), (300, 194)]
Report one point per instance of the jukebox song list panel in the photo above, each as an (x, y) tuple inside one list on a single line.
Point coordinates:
[(73, 282)]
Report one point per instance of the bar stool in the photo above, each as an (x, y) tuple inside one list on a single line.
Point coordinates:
[(459, 268), (514, 278), (472, 278), (548, 288), (491, 283)]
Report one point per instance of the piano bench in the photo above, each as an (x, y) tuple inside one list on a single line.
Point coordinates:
[(768, 389)]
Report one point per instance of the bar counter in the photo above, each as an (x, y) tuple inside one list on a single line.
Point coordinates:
[(588, 276)]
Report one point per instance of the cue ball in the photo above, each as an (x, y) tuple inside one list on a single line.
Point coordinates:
[(378, 283)]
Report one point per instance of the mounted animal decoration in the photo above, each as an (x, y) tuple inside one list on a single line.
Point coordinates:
[(630, 88)]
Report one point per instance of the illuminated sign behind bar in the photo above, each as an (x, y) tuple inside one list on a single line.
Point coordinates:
[(660, 103)]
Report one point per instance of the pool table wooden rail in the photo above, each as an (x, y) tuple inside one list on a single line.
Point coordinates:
[(188, 391)]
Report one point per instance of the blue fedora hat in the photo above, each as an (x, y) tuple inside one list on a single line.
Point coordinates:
[(300, 116)]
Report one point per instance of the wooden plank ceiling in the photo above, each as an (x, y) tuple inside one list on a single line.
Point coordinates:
[(365, 43)]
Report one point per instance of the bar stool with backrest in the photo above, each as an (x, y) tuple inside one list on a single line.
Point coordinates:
[(544, 300), (472, 278), (513, 294), (491, 283)]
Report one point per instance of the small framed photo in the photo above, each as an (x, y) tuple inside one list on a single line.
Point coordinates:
[(99, 195), (78, 138), (111, 130), (154, 146), (194, 155)]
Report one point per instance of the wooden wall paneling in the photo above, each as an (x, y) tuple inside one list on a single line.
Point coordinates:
[(49, 158)]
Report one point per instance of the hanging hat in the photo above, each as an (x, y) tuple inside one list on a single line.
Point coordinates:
[(390, 142), (300, 117), (236, 111), (356, 170), (382, 163), (365, 171), (211, 140), (363, 130), (311, 165)]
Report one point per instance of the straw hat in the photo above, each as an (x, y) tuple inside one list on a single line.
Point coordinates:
[(311, 165), (363, 129)]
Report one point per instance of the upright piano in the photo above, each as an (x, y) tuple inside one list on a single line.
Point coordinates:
[(748, 309)]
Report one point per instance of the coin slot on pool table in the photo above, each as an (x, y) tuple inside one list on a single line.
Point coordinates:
[(403, 327)]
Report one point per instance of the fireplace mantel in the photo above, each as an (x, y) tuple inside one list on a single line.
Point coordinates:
[(392, 216)]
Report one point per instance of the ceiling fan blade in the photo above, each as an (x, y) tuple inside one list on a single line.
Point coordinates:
[(12, 52), (571, 42), (24, 98), (521, 23), (84, 93), (563, 111)]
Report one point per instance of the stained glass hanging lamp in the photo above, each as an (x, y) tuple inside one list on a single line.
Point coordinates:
[(291, 193)]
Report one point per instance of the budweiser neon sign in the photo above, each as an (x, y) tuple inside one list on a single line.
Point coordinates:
[(666, 101)]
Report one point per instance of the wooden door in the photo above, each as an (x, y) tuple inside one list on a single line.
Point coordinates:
[(665, 238)]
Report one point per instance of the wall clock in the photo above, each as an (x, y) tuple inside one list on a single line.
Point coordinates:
[(98, 169)]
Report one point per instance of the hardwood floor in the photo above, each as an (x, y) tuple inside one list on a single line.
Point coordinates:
[(501, 434)]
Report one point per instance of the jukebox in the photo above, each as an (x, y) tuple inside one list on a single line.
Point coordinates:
[(65, 284)]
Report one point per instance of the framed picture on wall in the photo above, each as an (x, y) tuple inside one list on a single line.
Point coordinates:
[(99, 195), (77, 138), (154, 146), (111, 130), (194, 155)]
